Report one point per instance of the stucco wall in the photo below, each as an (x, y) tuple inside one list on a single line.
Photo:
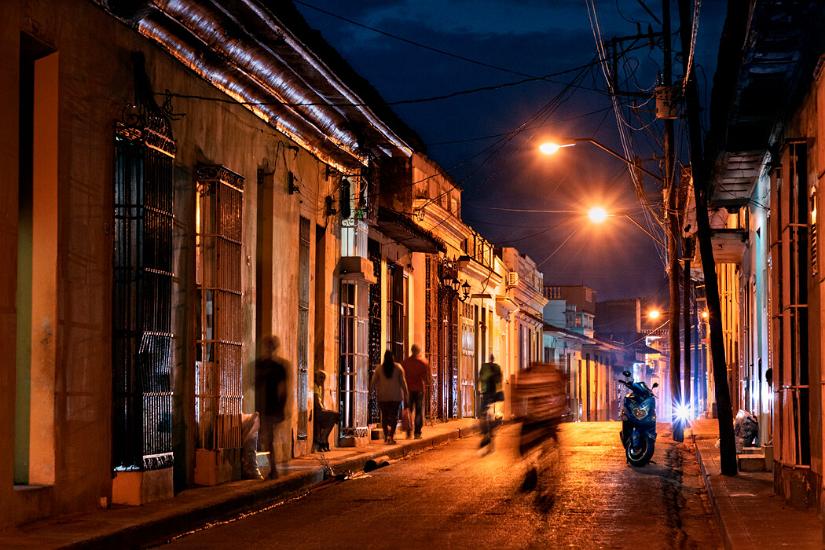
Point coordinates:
[(96, 83)]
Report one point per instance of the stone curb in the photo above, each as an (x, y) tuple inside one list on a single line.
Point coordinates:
[(717, 513), (159, 530)]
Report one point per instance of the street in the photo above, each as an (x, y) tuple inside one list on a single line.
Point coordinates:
[(453, 497)]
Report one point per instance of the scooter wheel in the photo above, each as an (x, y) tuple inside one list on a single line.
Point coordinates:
[(640, 455)]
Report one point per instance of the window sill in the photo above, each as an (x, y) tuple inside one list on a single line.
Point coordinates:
[(26, 488)]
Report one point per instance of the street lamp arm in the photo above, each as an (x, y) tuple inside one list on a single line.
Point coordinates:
[(643, 228), (615, 154)]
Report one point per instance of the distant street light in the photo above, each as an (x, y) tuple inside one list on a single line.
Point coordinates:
[(597, 214), (654, 314)]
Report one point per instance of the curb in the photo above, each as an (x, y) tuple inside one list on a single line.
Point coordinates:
[(160, 530), (717, 513)]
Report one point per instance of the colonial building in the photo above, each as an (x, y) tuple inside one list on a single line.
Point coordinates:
[(591, 365), (767, 154), (182, 182)]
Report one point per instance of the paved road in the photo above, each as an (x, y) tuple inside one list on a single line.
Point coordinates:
[(452, 497)]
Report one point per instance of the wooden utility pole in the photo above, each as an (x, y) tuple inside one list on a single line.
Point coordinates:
[(686, 325), (727, 447), (673, 231)]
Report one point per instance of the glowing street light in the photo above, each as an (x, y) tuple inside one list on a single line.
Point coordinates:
[(597, 214), (552, 147), (654, 314), (705, 315)]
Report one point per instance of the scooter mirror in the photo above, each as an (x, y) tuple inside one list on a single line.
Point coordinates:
[(655, 385), (626, 373)]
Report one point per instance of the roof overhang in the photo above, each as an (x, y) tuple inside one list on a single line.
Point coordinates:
[(765, 63), (247, 53), (735, 177), (406, 232)]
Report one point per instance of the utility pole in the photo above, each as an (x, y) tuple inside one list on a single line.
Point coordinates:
[(673, 231), (686, 322), (727, 447)]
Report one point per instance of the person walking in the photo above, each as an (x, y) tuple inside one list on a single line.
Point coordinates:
[(390, 387), (419, 382), (270, 396), (489, 380)]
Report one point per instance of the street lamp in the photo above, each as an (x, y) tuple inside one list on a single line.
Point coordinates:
[(654, 314), (598, 215), (552, 147)]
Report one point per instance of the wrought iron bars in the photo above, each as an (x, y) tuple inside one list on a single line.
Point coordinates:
[(141, 295), (218, 383)]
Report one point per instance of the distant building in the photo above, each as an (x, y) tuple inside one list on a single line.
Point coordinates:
[(571, 306)]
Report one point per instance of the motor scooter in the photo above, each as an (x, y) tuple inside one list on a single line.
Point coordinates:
[(638, 415)]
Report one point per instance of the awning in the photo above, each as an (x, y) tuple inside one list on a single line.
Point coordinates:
[(406, 232)]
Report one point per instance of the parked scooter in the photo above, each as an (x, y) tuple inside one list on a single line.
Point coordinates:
[(638, 433)]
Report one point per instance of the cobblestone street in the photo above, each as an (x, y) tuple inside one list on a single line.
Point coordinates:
[(454, 498)]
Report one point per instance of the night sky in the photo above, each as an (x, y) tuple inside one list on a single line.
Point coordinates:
[(523, 39)]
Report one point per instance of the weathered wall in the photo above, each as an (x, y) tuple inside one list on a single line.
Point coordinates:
[(96, 83)]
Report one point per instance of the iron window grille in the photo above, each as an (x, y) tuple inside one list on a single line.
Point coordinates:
[(353, 383), (142, 294), (303, 328), (218, 379)]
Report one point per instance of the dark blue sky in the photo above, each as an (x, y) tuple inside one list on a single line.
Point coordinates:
[(529, 37)]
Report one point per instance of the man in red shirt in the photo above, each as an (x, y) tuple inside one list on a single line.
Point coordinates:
[(417, 374)]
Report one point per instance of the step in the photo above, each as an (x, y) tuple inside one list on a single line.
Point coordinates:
[(262, 458), (752, 462)]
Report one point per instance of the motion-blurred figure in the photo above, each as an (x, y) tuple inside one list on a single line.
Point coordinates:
[(539, 402), (270, 396), (489, 380)]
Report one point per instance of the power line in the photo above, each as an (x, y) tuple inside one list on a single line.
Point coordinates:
[(414, 42)]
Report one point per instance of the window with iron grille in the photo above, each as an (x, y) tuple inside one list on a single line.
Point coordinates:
[(374, 250), (353, 383), (303, 328), (397, 311), (218, 383), (142, 295)]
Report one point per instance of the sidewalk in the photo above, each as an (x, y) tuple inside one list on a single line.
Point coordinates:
[(128, 527), (748, 513)]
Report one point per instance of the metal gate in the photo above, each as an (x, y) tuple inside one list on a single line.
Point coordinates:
[(218, 384), (142, 295)]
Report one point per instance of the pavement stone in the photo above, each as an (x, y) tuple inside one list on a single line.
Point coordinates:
[(748, 512), (129, 527)]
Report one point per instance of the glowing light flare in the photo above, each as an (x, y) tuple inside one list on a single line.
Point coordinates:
[(597, 214), (681, 413), (654, 314), (551, 147), (705, 315)]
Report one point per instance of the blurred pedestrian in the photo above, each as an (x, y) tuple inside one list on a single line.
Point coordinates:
[(270, 396), (323, 420), (419, 381), (390, 387), (489, 380)]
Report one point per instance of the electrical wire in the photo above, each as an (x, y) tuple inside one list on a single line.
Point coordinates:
[(414, 42)]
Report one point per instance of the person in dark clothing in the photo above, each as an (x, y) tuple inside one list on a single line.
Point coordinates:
[(489, 380), (270, 396), (391, 389), (419, 380), (323, 420)]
